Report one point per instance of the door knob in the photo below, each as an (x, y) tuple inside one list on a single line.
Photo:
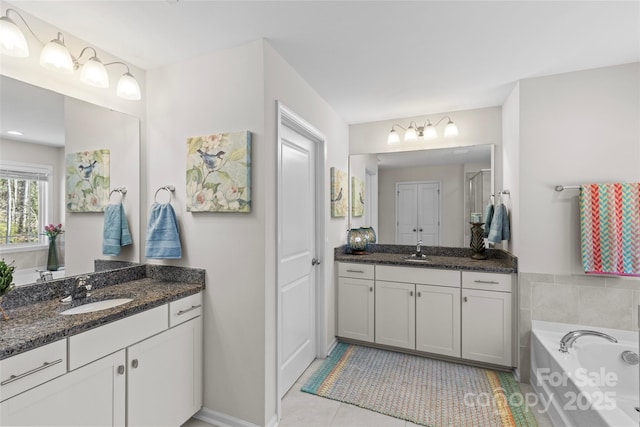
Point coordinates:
[(466, 299), (134, 363), (121, 369), (315, 261), (421, 230), (414, 229)]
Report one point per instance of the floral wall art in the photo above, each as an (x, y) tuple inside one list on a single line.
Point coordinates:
[(219, 173), (357, 196), (339, 193), (87, 181)]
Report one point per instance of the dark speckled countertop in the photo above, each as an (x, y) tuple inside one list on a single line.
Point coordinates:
[(35, 323), (498, 261)]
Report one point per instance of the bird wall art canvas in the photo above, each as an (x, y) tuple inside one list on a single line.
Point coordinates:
[(338, 193), (357, 196), (87, 181), (219, 172)]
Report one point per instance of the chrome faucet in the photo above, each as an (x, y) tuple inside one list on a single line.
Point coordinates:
[(79, 289), (567, 341)]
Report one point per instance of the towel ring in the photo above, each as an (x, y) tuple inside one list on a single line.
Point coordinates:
[(121, 190), (168, 188)]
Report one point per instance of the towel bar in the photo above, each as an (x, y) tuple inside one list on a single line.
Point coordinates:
[(567, 187)]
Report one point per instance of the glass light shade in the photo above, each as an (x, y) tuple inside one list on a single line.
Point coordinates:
[(56, 56), (94, 73), (411, 135), (393, 137), (451, 129), (12, 41), (128, 88), (430, 132)]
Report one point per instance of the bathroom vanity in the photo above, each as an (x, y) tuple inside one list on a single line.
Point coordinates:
[(139, 363), (447, 305)]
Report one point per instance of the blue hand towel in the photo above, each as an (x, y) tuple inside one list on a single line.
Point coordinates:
[(488, 217), (499, 229), (116, 230), (163, 240)]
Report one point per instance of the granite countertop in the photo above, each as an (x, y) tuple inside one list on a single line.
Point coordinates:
[(38, 323), (497, 261)]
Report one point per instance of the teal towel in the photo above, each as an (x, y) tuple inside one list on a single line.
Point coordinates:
[(488, 217), (116, 230), (499, 229), (163, 240)]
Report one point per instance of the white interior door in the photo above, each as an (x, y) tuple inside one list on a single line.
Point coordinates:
[(418, 213), (406, 213), (429, 213), (297, 251)]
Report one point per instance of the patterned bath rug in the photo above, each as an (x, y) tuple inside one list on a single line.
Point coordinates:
[(424, 391)]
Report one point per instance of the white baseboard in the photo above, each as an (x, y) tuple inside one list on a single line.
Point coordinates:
[(223, 420), (333, 345)]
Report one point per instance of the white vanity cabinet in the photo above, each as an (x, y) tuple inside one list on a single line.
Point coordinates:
[(137, 371), (426, 317), (462, 314), (93, 395), (356, 296), (487, 330), (395, 315)]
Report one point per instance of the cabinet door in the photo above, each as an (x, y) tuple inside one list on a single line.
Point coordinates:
[(93, 395), (486, 326), (395, 317), (355, 308), (165, 377), (438, 320)]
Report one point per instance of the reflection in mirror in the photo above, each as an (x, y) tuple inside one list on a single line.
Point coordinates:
[(52, 125), (426, 195)]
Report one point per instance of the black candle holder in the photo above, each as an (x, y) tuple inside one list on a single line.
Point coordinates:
[(477, 241)]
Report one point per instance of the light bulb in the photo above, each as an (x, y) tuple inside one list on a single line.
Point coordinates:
[(94, 73), (56, 56), (393, 137), (430, 131), (451, 129), (411, 135), (128, 88), (12, 41)]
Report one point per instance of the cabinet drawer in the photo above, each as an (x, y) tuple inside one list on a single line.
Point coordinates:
[(358, 271), (185, 309), (27, 370), (487, 281), (91, 345), (423, 276)]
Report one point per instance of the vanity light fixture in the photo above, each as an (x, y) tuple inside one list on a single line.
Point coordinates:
[(56, 56), (426, 131)]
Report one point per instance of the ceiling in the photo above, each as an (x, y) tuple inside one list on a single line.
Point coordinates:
[(370, 60)]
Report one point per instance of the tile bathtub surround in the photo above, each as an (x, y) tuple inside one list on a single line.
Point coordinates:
[(609, 302)]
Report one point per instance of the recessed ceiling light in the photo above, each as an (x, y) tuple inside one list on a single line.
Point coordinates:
[(14, 132)]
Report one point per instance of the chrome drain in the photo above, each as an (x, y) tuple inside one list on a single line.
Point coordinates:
[(630, 357)]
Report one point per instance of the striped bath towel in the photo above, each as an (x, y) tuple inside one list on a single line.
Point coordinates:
[(610, 228)]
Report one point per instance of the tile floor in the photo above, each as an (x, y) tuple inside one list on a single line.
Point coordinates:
[(301, 409)]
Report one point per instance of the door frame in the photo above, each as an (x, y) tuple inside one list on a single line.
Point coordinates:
[(287, 117), (439, 206)]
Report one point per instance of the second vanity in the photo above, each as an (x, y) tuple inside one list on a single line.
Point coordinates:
[(139, 363), (447, 305)]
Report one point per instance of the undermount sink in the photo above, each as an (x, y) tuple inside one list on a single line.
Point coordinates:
[(413, 258), (96, 306)]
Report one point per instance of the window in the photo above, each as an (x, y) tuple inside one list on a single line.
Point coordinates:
[(24, 202)]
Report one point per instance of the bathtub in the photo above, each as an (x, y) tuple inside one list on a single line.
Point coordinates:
[(590, 385)]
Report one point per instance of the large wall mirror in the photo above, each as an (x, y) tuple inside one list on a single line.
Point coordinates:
[(426, 195), (51, 126)]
